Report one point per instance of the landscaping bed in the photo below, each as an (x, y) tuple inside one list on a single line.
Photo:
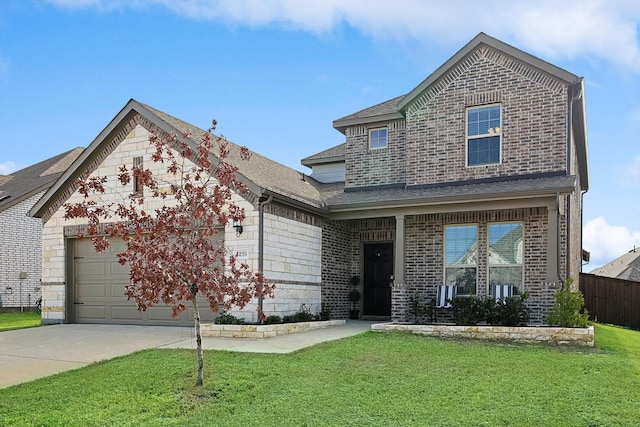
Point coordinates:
[(526, 334), (264, 331)]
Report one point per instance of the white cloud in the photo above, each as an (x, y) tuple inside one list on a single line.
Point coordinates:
[(8, 167), (607, 242), (590, 29)]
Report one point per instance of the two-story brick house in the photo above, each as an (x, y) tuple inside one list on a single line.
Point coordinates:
[(473, 178)]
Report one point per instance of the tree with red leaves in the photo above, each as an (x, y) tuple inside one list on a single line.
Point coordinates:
[(171, 250)]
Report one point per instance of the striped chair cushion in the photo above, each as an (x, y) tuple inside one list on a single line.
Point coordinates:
[(500, 292), (445, 293)]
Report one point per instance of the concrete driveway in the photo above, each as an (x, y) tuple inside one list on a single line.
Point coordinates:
[(28, 354)]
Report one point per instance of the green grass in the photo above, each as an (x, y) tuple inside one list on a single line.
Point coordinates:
[(18, 320), (373, 379)]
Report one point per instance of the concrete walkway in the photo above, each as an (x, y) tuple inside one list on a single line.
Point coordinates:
[(28, 354)]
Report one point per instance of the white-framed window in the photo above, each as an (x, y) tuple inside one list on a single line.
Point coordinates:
[(461, 257), (377, 138), (137, 181), (484, 140), (506, 254)]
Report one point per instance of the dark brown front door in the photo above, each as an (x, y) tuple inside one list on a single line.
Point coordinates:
[(378, 268)]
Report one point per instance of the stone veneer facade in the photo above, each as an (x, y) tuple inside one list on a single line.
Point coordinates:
[(292, 242)]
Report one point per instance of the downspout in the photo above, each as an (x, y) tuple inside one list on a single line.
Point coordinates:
[(261, 239), (573, 99)]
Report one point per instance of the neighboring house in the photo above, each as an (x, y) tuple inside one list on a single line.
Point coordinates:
[(21, 237), (625, 267), (473, 178)]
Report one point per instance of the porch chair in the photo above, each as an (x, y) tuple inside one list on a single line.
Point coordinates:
[(443, 297), (500, 292)]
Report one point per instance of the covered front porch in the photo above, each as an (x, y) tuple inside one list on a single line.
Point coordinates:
[(409, 254)]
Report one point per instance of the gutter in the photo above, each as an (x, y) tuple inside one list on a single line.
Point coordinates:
[(261, 206)]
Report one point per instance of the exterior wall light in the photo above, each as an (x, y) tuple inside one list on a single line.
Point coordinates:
[(237, 225)]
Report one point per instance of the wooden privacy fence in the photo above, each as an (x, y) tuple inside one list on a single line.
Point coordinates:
[(609, 300)]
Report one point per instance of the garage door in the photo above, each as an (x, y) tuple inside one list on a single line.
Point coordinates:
[(98, 291)]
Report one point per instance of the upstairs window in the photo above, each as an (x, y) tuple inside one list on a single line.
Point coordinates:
[(484, 126), (377, 138), (461, 257)]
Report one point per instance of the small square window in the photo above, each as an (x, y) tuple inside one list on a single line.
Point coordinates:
[(484, 138), (378, 138)]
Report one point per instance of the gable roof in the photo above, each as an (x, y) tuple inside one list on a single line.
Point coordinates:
[(396, 108), (22, 184), (625, 267), (262, 176)]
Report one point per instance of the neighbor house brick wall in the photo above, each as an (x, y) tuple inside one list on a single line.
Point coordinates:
[(20, 255)]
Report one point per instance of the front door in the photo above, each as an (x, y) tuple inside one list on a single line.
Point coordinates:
[(378, 269)]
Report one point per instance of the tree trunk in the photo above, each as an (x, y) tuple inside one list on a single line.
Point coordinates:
[(196, 321)]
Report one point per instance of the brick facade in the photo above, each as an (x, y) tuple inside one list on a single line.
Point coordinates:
[(20, 255)]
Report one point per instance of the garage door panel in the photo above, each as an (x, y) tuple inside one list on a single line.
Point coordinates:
[(126, 312), (87, 269), (93, 291), (119, 270), (92, 313), (161, 312)]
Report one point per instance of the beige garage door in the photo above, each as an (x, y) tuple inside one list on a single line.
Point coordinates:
[(98, 291)]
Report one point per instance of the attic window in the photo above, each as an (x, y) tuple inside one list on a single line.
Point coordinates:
[(137, 179), (377, 138)]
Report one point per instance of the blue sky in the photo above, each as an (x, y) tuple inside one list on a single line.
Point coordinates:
[(276, 73)]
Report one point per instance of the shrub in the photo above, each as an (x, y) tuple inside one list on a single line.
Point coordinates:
[(228, 319), (568, 309), (325, 312), (273, 319), (468, 310), (419, 309), (512, 312)]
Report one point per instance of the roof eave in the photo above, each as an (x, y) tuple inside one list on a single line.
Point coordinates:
[(342, 124), (325, 160), (457, 199)]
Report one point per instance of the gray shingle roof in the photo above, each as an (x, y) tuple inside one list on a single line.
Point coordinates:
[(333, 154), (26, 182), (261, 171), (625, 267), (387, 110)]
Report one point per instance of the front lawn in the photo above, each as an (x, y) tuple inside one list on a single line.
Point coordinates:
[(18, 320), (373, 379)]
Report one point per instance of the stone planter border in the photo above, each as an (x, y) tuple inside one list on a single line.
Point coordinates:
[(263, 331), (526, 334)]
